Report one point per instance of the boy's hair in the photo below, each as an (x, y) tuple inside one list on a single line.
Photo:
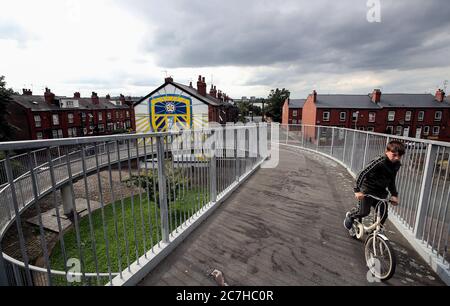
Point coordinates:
[(396, 146)]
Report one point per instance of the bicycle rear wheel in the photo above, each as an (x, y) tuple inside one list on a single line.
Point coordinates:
[(380, 257)]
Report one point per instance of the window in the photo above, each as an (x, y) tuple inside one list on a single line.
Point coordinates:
[(128, 124), (426, 130), (294, 121), (372, 116), (389, 129), (342, 116), (408, 116), (101, 128), (70, 117), (57, 133), (69, 103), (437, 116), (294, 113), (128, 114), (370, 129), (72, 132), (435, 130), (37, 121), (420, 116), (398, 130), (418, 132), (391, 115), (91, 117), (55, 118), (100, 116), (355, 116), (84, 131), (39, 135), (326, 116), (69, 133), (83, 116), (108, 115), (117, 114), (361, 128)]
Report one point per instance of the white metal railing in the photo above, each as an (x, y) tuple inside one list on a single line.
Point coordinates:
[(175, 178), (423, 181)]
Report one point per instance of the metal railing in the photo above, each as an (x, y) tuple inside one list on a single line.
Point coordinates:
[(123, 199), (423, 181)]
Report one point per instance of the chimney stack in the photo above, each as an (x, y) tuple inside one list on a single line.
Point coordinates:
[(376, 96), (314, 96), (219, 95), (122, 99), (168, 80), (49, 96), (94, 98), (440, 95), (108, 97), (27, 92), (190, 84), (201, 86), (77, 95), (213, 91)]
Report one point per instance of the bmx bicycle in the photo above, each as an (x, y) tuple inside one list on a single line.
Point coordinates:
[(379, 254)]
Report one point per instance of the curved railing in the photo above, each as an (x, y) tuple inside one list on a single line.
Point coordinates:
[(174, 180), (423, 181)]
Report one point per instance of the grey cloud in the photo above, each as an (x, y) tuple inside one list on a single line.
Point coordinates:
[(313, 35)]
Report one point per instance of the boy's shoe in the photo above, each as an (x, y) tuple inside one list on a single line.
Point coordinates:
[(348, 221)]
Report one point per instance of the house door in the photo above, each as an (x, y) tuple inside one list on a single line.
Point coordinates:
[(418, 132)]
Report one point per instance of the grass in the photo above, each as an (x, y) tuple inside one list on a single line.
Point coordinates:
[(138, 226)]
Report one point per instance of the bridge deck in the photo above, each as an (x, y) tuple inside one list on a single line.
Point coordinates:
[(284, 227)]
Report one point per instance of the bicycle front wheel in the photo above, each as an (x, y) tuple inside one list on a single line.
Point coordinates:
[(380, 257)]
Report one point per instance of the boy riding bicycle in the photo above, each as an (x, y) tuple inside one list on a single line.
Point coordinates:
[(378, 176)]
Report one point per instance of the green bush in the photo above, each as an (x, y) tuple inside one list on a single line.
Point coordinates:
[(175, 180)]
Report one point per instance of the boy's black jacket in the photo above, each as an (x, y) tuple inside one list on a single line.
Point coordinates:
[(377, 176)]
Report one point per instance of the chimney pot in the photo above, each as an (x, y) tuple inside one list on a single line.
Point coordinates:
[(77, 95), (314, 96), (94, 98), (108, 96), (168, 79), (201, 86)]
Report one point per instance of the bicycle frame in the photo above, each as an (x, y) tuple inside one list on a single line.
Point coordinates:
[(374, 228)]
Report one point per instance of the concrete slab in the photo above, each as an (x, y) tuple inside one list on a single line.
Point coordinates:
[(50, 219)]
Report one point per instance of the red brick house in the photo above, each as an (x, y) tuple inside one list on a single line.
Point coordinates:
[(49, 116), (414, 115), (292, 111)]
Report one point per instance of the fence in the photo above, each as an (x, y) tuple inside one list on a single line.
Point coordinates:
[(423, 181), (149, 190)]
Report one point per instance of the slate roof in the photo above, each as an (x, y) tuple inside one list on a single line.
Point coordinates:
[(296, 103), (190, 90), (387, 101), (38, 103)]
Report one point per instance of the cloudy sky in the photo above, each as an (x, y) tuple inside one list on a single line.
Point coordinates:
[(247, 47)]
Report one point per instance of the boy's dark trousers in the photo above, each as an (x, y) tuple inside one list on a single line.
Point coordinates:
[(363, 209)]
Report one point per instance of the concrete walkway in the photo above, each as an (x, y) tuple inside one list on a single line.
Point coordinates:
[(284, 227)]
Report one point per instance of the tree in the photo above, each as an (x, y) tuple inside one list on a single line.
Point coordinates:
[(275, 102), (6, 132), (245, 107)]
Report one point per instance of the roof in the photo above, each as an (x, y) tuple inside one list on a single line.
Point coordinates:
[(387, 101), (412, 100), (296, 103), (189, 90), (38, 103), (345, 101)]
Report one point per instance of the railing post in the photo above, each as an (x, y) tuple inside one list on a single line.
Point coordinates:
[(287, 133), (162, 188), (318, 138), (365, 150), (353, 151), (213, 169), (425, 190), (332, 140), (345, 146), (237, 166), (3, 276)]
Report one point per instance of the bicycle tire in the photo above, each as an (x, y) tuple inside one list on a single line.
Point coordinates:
[(385, 247)]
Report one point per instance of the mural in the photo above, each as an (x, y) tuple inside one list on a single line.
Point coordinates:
[(170, 112)]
